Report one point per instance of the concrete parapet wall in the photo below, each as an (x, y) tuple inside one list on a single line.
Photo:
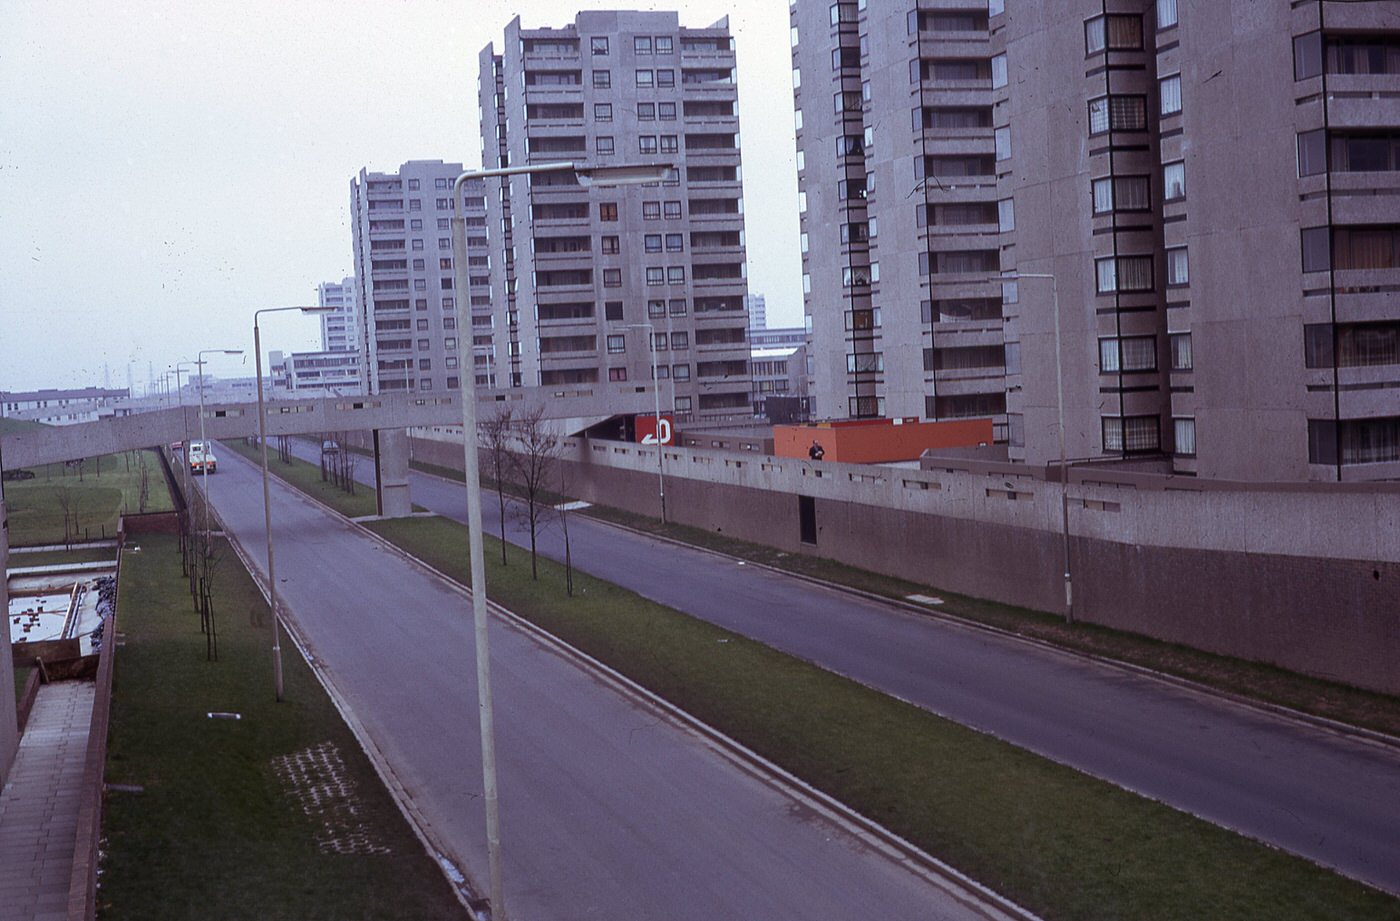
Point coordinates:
[(1303, 576)]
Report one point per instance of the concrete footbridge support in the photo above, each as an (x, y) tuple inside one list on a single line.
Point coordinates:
[(569, 410)]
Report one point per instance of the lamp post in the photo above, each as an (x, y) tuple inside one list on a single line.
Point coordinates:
[(185, 426), (603, 176), (656, 399), (1060, 409), (204, 473), (267, 493)]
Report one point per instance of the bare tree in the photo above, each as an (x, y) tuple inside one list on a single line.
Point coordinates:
[(64, 496), (495, 436), (536, 450), (563, 508)]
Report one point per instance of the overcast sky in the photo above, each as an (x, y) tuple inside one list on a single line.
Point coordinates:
[(168, 167)]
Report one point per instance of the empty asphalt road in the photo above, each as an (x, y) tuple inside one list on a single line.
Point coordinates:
[(609, 809), (1331, 798)]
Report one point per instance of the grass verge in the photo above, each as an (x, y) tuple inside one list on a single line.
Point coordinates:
[(1254, 680), (1057, 841), (215, 833), (307, 477), (21, 678), (96, 494)]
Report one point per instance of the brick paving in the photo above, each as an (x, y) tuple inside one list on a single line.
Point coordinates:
[(39, 805)]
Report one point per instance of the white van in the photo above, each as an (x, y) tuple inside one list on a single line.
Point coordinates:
[(201, 456)]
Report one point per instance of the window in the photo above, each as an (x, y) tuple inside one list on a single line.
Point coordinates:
[(1177, 271), (1317, 255), (675, 243), (1166, 13), (1174, 181), (677, 306), (680, 341), (646, 111), (605, 146), (1307, 56), (666, 111), (617, 343), (444, 223), (602, 79), (670, 143), (656, 275), (612, 278), (675, 275), (665, 77), (1181, 351), (444, 242), (1117, 113), (1126, 273), (656, 308), (1367, 247), (1184, 431), (1006, 215), (413, 185), (651, 210), (425, 364), (417, 245), (646, 78), (1131, 433), (672, 210), (1115, 32), (664, 44), (415, 204), (611, 246), (598, 45), (1002, 138), (416, 224), (1129, 354), (1170, 88), (999, 71), (680, 372), (442, 204), (646, 144), (1122, 193), (642, 44), (607, 210), (602, 111), (651, 243)]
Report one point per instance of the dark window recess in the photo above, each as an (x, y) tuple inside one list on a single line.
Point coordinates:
[(807, 519), (1357, 345)]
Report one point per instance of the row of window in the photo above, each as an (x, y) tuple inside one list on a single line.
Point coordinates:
[(1355, 247), (1129, 354), (646, 111), (599, 45), (1128, 112), (1124, 274)]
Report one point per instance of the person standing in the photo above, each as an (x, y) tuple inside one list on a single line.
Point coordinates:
[(816, 452)]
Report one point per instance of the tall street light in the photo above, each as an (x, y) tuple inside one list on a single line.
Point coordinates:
[(601, 176), (204, 441), (656, 399), (185, 426), (1060, 409), (267, 495)]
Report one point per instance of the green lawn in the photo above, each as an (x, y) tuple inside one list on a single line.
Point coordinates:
[(1059, 842), (99, 493), (307, 477), (15, 426), (215, 833), (55, 557)]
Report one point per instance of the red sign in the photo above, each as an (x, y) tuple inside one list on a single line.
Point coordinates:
[(646, 430)]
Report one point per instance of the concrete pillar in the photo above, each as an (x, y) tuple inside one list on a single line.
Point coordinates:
[(391, 472)]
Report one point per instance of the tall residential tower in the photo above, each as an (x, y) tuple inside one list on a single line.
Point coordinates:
[(579, 272)]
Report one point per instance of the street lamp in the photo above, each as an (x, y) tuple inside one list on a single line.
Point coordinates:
[(1060, 408), (656, 399), (587, 176), (267, 494), (204, 441)]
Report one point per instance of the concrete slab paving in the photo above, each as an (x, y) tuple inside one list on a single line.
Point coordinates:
[(39, 805)]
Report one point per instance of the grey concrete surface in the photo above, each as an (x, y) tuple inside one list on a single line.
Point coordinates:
[(1330, 798), (607, 809)]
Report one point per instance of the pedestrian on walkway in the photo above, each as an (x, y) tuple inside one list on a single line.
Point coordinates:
[(816, 452)]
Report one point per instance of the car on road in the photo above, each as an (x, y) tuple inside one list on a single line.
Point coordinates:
[(330, 447), (201, 458)]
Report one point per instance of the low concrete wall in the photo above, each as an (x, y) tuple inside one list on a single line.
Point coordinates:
[(1304, 577)]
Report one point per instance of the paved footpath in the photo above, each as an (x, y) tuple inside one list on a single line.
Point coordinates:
[(39, 805)]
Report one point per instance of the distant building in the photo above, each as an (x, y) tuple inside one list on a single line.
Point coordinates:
[(758, 311), (340, 331), (304, 374), (404, 296), (779, 361), (779, 337), (579, 271), (59, 407)]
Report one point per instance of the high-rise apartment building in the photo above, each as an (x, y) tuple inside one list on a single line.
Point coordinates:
[(584, 275), (1213, 186), (757, 306), (340, 330), (899, 216), (404, 293)]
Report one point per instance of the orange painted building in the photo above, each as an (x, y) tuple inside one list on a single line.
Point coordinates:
[(876, 441)]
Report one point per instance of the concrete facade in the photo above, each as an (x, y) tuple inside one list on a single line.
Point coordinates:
[(404, 276), (578, 272), (1213, 185), (335, 373)]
